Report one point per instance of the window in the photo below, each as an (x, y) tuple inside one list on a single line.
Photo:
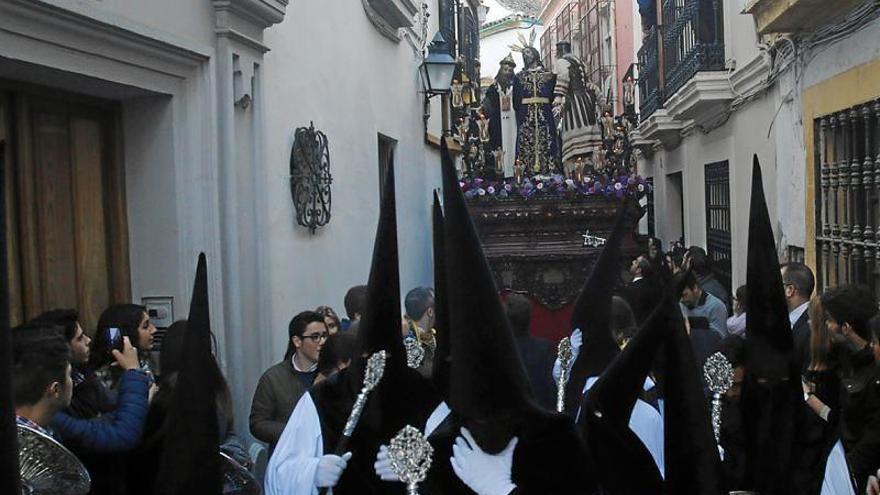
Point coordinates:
[(847, 157), (387, 146), (718, 220)]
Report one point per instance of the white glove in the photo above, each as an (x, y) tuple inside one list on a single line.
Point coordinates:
[(577, 340), (485, 474), (383, 465), (330, 468), (873, 486)]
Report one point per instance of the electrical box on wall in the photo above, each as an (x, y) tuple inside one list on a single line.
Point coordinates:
[(160, 310)]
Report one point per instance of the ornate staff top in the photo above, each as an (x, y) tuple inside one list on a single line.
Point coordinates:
[(564, 354), (372, 376), (719, 377), (411, 457)]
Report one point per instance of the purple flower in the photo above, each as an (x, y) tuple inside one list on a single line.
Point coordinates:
[(490, 189), (508, 187), (540, 185)]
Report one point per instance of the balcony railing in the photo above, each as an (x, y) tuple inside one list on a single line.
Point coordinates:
[(649, 75), (692, 39)]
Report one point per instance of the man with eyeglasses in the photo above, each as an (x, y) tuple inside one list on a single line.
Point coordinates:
[(282, 385)]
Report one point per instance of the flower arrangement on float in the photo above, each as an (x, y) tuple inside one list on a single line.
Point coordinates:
[(556, 186)]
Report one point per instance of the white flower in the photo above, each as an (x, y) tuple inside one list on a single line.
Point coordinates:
[(641, 187), (481, 191), (490, 190), (569, 182), (618, 186), (540, 185)]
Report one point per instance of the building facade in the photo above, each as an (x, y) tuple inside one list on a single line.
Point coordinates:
[(505, 22), (142, 133), (601, 33), (722, 81)]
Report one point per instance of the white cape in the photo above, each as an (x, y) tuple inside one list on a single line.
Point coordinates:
[(291, 470)]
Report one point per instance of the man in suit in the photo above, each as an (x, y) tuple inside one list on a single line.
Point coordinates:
[(642, 293), (798, 282), (537, 354)]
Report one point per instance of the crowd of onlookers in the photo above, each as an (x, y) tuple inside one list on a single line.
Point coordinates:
[(836, 345), (107, 394)]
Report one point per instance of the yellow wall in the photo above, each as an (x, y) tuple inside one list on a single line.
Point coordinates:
[(857, 85)]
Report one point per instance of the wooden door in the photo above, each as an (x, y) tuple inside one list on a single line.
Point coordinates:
[(69, 244)]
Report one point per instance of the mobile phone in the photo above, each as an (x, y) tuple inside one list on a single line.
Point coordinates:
[(114, 338)]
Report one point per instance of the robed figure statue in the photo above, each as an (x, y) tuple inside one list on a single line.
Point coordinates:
[(576, 107), (498, 109), (536, 142)]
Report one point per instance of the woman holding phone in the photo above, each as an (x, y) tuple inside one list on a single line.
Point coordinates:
[(116, 322)]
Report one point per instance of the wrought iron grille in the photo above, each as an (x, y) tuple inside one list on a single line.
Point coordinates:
[(310, 177), (718, 220), (652, 229), (649, 75), (847, 157), (692, 40)]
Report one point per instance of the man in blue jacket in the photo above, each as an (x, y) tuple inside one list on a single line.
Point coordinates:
[(42, 393)]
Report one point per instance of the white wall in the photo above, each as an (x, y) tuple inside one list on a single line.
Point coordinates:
[(496, 46), (352, 86)]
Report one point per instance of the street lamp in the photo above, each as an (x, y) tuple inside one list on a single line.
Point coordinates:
[(437, 68)]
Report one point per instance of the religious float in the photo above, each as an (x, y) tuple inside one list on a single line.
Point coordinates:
[(544, 165)]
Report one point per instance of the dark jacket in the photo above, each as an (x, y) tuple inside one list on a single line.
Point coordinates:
[(91, 397), (801, 335), (538, 356), (114, 432), (276, 395), (642, 295), (860, 416)]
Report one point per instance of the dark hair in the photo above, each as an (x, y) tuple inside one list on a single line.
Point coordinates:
[(820, 339), (338, 349), (418, 301), (519, 313), (127, 318), (700, 262), (171, 360), (800, 276), (40, 356), (645, 266), (297, 328), (623, 321), (64, 318), (685, 280), (355, 301), (850, 304), (741, 295)]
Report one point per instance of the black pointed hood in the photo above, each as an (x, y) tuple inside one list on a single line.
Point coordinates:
[(488, 379), (403, 396), (690, 453), (380, 325), (9, 477), (189, 460), (769, 341), (440, 371), (771, 392), (623, 464), (592, 310)]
